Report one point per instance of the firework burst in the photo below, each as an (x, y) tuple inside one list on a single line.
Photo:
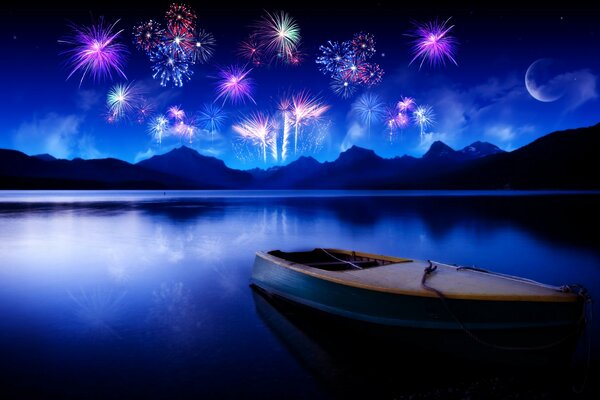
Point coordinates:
[(305, 109), (406, 104), (235, 85), (334, 57), (181, 17), (370, 74), (176, 113), (147, 35), (96, 50), (424, 117), (257, 130), (204, 46), (363, 45), (144, 109), (279, 34), (211, 117), (342, 86), (158, 128), (180, 43), (122, 99), (251, 50), (369, 108), (433, 43), (170, 67)]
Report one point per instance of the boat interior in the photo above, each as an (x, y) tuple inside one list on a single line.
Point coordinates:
[(331, 260)]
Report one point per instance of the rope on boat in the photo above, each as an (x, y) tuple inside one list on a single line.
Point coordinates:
[(582, 319), (507, 276), (339, 259)]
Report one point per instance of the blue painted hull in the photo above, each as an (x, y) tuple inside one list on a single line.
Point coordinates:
[(399, 310)]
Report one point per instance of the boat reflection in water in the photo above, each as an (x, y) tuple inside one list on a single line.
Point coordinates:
[(356, 359)]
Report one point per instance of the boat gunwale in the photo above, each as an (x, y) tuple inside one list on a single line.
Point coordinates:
[(312, 271)]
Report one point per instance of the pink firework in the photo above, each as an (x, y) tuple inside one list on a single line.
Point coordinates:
[(181, 17), (433, 43), (305, 109), (176, 113), (235, 85), (251, 50), (258, 130), (406, 104), (96, 50)]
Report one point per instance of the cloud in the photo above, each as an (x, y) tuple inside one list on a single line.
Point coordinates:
[(55, 134), (580, 88), (355, 134), (430, 137), (87, 99), (505, 134), (144, 155)]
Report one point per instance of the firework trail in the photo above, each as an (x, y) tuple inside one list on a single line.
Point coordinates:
[(95, 50), (169, 66), (369, 108), (424, 117), (279, 35), (122, 98), (406, 104), (234, 84), (284, 106), (391, 120), (204, 47), (181, 17), (304, 110), (257, 130), (433, 43), (147, 35), (158, 127), (363, 45)]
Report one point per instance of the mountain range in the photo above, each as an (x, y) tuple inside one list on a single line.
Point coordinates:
[(559, 160)]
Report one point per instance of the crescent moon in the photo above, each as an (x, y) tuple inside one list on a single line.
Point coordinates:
[(538, 92)]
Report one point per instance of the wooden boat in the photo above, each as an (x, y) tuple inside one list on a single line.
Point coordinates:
[(402, 292)]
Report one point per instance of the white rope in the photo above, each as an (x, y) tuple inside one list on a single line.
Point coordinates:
[(506, 276), (339, 259)]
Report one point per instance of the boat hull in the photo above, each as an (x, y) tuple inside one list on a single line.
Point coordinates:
[(400, 310)]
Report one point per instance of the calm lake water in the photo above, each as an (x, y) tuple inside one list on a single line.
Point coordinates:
[(121, 294)]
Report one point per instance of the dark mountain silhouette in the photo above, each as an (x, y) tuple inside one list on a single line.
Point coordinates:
[(20, 171), (560, 160), (198, 170), (45, 157)]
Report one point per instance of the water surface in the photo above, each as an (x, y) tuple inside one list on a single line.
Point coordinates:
[(146, 293)]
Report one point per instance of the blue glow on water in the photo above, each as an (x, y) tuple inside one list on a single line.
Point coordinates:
[(147, 292)]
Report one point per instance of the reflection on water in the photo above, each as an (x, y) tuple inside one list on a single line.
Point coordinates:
[(96, 287), (98, 308)]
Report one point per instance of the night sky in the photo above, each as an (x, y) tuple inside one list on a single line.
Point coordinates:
[(483, 98)]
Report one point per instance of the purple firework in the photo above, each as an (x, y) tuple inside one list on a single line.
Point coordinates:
[(433, 43), (96, 50), (234, 84)]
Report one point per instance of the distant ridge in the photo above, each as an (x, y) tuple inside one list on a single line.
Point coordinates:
[(559, 160)]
